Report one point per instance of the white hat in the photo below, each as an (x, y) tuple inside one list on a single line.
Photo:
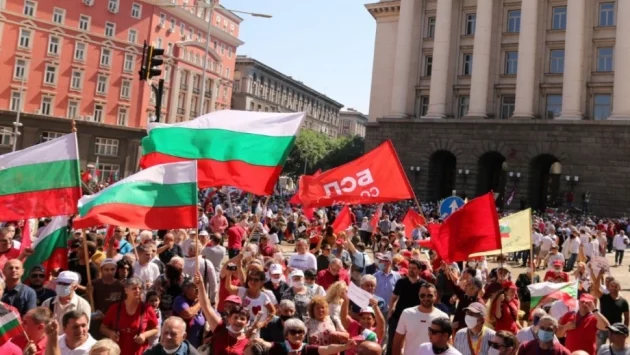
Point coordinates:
[(204, 233), (295, 273), (68, 277), (275, 269), (108, 261)]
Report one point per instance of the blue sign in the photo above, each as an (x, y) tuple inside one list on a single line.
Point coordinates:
[(450, 205)]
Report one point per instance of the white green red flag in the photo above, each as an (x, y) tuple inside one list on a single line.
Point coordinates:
[(10, 325), (160, 197), (40, 181), (243, 149), (50, 247), (545, 292)]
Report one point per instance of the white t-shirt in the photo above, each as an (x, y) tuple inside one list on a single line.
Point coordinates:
[(427, 349), (303, 262), (552, 258), (619, 243), (255, 305), (536, 237), (84, 349), (574, 245), (545, 243), (146, 273), (415, 324)]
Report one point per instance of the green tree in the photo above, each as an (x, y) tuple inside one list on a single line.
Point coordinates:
[(342, 150)]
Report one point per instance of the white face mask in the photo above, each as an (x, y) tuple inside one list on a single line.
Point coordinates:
[(298, 284), (170, 351), (63, 291), (247, 254), (493, 351), (470, 321), (234, 331), (275, 281)]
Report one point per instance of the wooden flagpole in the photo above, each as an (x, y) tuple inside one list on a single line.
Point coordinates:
[(87, 267)]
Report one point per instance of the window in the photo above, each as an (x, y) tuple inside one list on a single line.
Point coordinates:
[(110, 28), (53, 45), (58, 15), (48, 136), (106, 55), (76, 80), (46, 108), (507, 106), (132, 36), (129, 63), (601, 106), (136, 10), (559, 18), (471, 24), (101, 85), (605, 59), (122, 116), (227, 73), (191, 32), (112, 6), (173, 25), (29, 8), (20, 69), (556, 61), (554, 106), (84, 23), (167, 73), (158, 43), (182, 28), (230, 52), (50, 75), (467, 64), (511, 63), (607, 14), (463, 106), (431, 27), (428, 65), (98, 114), (169, 48), (25, 38), (162, 19), (106, 146), (16, 101), (73, 109), (514, 21), (125, 89), (79, 51), (424, 106), (108, 172)]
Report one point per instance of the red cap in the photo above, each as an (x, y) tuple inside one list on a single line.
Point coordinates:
[(558, 263), (508, 285), (407, 254), (233, 299)]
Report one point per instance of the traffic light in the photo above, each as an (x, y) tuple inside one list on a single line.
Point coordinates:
[(149, 61)]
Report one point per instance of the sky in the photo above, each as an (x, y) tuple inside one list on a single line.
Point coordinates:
[(326, 44)]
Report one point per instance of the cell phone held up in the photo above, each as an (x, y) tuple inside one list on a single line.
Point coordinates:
[(231, 267)]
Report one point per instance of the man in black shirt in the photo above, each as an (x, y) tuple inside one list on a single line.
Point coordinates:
[(275, 284), (405, 295), (324, 258), (167, 250), (36, 278), (612, 307), (79, 266), (274, 330)]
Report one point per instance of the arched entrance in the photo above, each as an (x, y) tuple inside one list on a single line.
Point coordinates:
[(492, 175), (544, 182), (442, 166)]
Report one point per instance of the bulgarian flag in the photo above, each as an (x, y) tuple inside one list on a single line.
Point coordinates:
[(40, 181), (160, 197), (10, 325), (544, 292), (50, 247), (242, 149)]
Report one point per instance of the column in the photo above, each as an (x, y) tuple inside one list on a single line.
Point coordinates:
[(188, 97), (402, 59), (172, 107), (215, 91), (527, 55), (573, 78), (441, 60), (621, 89), (481, 61)]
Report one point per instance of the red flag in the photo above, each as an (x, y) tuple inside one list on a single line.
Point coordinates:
[(474, 228), (343, 220), (411, 220), (375, 177), (295, 200), (376, 216), (109, 236), (26, 235)]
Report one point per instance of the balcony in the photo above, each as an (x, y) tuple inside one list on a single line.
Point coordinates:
[(208, 94), (180, 111), (193, 114), (183, 86), (196, 91)]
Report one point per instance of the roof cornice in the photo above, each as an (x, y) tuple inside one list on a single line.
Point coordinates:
[(390, 8)]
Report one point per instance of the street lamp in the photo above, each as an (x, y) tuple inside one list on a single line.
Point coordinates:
[(208, 30)]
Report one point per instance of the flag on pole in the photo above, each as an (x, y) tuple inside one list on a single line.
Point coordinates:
[(160, 197), (40, 181), (376, 216), (10, 325), (343, 220), (516, 233), (242, 149), (411, 221), (544, 292), (50, 247)]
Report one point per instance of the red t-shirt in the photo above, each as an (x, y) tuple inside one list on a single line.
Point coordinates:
[(509, 315), (21, 342), (129, 326), (583, 337), (225, 344), (533, 348), (9, 348), (267, 251), (556, 277), (223, 292), (235, 236), (325, 278)]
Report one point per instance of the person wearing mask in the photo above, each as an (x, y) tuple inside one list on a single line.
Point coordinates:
[(34, 324), (215, 252), (276, 284), (439, 333), (75, 338), (580, 328), (614, 307), (556, 274), (413, 327), (131, 323), (299, 294), (310, 276), (66, 298), (368, 283), (187, 307), (544, 343), (194, 260), (173, 339), (529, 333), (503, 343), (504, 309), (168, 249), (106, 291), (475, 337), (16, 294), (302, 259), (170, 285), (218, 222), (466, 295), (618, 341), (386, 278), (36, 279), (334, 273), (274, 331)]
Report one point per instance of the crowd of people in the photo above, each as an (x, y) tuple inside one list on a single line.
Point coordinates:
[(229, 287)]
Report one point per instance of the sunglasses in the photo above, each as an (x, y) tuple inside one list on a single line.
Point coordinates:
[(37, 276), (435, 331), (494, 345), (426, 295), (296, 332)]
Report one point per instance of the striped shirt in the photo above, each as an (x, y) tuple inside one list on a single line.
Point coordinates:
[(461, 341)]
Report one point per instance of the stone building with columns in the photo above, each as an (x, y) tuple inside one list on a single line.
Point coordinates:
[(529, 99), (258, 87)]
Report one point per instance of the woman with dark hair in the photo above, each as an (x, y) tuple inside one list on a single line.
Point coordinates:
[(124, 270), (255, 301), (504, 309), (503, 343), (169, 285)]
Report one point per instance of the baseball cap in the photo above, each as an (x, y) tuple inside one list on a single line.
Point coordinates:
[(557, 263), (204, 233), (619, 328), (68, 277), (275, 269), (476, 307), (508, 285), (38, 267), (384, 257), (295, 273), (233, 299), (367, 309), (407, 254)]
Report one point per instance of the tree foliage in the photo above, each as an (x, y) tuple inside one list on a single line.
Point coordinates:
[(319, 151)]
